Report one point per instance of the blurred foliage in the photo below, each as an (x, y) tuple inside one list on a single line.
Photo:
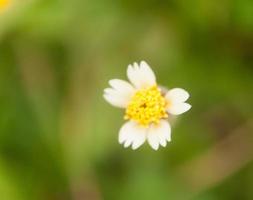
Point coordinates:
[(58, 138)]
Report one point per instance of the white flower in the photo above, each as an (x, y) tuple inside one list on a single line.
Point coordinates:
[(147, 108)]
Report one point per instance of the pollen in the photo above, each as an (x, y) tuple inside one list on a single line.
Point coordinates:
[(147, 106), (4, 4)]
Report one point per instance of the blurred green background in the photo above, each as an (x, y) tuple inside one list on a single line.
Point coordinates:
[(58, 137)]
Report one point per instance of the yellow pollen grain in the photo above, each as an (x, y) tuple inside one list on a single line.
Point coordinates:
[(4, 4), (147, 106)]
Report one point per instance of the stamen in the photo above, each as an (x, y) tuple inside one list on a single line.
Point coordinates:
[(147, 106)]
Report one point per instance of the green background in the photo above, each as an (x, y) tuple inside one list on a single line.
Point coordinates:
[(58, 137)]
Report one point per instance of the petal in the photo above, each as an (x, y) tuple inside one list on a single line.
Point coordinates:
[(115, 100), (133, 75), (177, 95), (153, 140), (140, 138), (148, 73), (141, 75), (127, 143), (132, 133), (123, 87), (178, 108), (163, 143), (120, 94), (159, 134)]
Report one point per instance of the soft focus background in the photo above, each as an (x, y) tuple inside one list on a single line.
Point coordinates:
[(58, 137)]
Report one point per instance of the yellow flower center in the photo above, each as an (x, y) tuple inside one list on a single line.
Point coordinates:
[(4, 3), (147, 106)]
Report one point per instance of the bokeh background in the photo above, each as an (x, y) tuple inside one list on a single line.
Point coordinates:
[(58, 137)]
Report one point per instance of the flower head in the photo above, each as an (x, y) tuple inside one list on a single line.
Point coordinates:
[(147, 107)]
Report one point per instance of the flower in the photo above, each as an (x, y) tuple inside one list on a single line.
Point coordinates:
[(147, 107)]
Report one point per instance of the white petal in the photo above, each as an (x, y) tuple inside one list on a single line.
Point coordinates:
[(123, 87), (153, 140), (127, 143), (133, 75), (177, 95), (120, 94), (136, 66), (159, 134), (148, 73), (179, 108), (140, 138), (132, 133), (163, 143), (141, 75), (115, 100)]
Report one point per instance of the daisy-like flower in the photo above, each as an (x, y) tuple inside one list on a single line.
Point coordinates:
[(147, 107)]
